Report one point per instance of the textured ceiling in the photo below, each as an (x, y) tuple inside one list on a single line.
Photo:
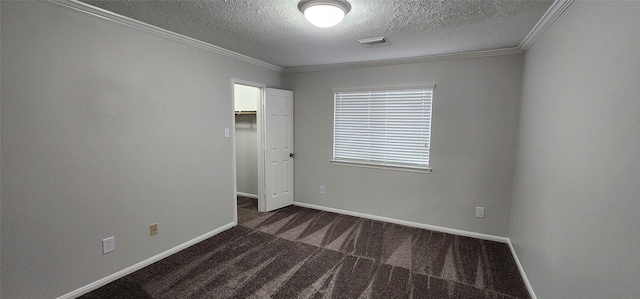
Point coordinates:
[(275, 31)]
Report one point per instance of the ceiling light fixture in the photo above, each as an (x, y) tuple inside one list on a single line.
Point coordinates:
[(324, 13)]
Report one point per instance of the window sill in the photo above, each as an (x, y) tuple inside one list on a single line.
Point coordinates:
[(384, 167)]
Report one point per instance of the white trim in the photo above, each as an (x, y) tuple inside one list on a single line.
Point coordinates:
[(249, 195), (234, 158), (101, 282), (379, 88), (421, 59), (259, 142), (554, 11), (247, 83), (84, 8), (261, 87), (407, 223), (524, 276), (383, 167)]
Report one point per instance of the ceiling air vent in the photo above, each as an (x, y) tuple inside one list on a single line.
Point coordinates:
[(367, 42)]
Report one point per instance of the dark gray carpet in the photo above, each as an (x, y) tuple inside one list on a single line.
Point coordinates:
[(303, 253)]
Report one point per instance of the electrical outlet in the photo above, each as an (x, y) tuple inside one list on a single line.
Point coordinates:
[(322, 190), (108, 245), (480, 212), (153, 229)]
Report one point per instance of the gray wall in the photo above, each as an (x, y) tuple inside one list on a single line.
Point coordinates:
[(476, 103), (575, 212), (247, 154), (105, 130)]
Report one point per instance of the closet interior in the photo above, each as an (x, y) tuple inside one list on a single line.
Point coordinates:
[(246, 99)]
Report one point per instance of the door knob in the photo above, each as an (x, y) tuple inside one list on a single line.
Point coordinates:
[(291, 155)]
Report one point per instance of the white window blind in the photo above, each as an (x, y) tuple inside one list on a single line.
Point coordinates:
[(383, 127)]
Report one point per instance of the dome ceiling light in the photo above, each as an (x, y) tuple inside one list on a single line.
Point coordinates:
[(324, 13)]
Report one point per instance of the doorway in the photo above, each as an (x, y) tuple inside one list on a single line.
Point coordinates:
[(248, 146), (263, 145)]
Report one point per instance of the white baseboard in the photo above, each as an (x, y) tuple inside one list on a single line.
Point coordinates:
[(99, 283), (408, 223), (524, 276), (96, 284), (434, 228), (249, 195)]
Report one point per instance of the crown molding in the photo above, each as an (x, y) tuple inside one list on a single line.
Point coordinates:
[(84, 8), (421, 59), (554, 11)]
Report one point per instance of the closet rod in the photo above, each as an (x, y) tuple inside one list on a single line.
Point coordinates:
[(245, 112)]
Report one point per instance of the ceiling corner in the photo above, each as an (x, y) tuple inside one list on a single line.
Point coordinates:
[(554, 11)]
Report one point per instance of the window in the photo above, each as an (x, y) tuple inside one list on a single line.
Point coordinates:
[(387, 128)]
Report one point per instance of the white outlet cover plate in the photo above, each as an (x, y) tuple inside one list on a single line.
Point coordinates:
[(108, 245), (480, 212)]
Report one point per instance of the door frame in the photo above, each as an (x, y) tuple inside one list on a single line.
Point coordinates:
[(259, 141)]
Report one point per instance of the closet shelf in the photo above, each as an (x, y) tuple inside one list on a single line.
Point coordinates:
[(245, 113)]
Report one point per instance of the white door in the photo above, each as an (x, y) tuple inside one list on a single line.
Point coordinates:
[(278, 148)]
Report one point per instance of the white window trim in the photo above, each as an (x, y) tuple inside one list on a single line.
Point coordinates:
[(382, 166), (385, 167), (427, 86)]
